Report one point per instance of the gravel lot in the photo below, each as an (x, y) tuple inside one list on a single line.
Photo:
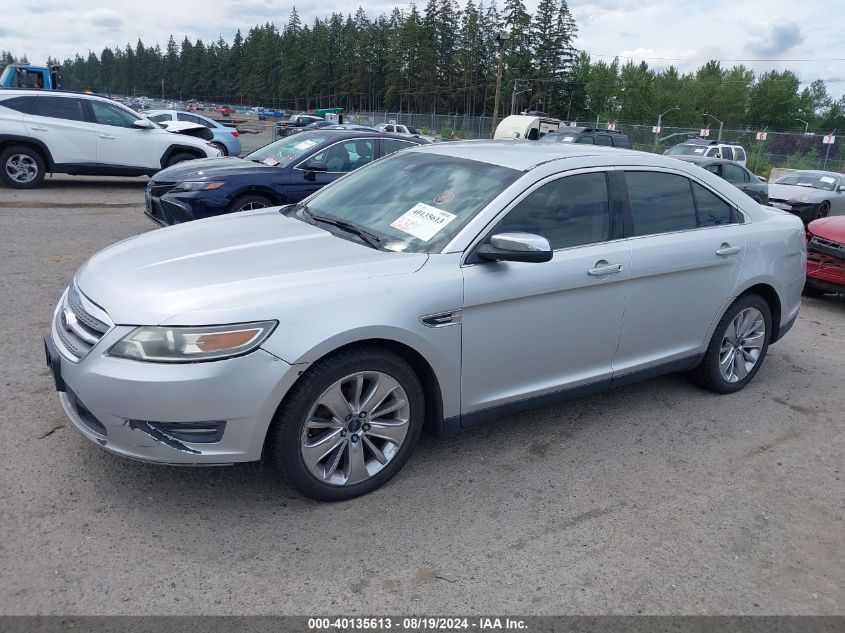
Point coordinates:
[(656, 498)]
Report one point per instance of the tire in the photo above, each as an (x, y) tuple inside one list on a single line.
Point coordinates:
[(222, 148), (304, 422), (249, 202), (814, 213), (22, 167), (812, 291), (179, 157), (709, 374)]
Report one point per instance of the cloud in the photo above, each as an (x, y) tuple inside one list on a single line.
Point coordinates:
[(774, 37), (104, 18)]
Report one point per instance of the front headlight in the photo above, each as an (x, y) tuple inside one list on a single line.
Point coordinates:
[(186, 344), (198, 185)]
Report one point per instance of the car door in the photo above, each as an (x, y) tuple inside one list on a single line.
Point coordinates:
[(533, 329), (339, 158), (687, 248), (61, 123), (119, 143), (742, 180)]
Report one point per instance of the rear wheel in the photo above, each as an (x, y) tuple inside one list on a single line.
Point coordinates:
[(22, 167), (222, 148), (738, 346), (349, 424), (179, 157), (249, 202)]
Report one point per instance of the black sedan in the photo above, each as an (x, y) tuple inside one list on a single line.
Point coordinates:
[(282, 172), (755, 186)]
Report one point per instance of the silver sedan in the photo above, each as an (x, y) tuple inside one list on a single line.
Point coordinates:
[(438, 287)]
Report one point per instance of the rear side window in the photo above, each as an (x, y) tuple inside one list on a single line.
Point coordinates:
[(739, 153), (712, 210), (570, 211), (158, 118), (603, 139), (728, 153), (660, 203), (621, 141), (190, 118), (61, 108), (20, 104), (586, 140)]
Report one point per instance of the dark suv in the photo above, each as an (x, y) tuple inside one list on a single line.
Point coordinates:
[(589, 136)]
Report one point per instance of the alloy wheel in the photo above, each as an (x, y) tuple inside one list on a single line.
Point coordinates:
[(742, 344), (21, 168), (355, 428)]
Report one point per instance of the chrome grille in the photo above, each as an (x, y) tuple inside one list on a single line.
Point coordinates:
[(75, 326)]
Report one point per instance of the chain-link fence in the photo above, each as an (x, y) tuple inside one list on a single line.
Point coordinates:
[(779, 149)]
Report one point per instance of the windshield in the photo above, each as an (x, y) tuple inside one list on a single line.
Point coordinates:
[(814, 181), (687, 150), (287, 150), (414, 201), (558, 137)]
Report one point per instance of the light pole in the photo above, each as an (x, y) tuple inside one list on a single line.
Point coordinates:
[(806, 125), (514, 94), (721, 125), (500, 39), (659, 121)]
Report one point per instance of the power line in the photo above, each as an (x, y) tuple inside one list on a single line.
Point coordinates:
[(689, 59)]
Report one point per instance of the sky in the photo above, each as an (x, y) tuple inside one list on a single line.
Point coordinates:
[(682, 33)]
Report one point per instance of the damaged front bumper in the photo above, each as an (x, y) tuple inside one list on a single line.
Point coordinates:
[(189, 414), (826, 264)]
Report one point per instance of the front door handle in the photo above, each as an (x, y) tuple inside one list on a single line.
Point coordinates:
[(726, 249), (39, 128), (603, 268), (106, 136)]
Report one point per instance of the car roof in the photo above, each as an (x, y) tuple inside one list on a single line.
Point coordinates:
[(345, 133), (704, 160), (814, 172), (525, 155)]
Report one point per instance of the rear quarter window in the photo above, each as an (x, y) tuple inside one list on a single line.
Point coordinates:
[(20, 104)]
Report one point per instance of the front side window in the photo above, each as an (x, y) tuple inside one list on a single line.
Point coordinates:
[(712, 210), (108, 114), (415, 201), (390, 145), (61, 108), (734, 174), (345, 157), (570, 211), (660, 203)]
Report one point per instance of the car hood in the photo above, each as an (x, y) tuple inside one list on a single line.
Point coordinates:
[(832, 229), (208, 168), (230, 268), (796, 193)]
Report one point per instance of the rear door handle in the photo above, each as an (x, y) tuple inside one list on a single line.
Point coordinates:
[(106, 136), (603, 268), (39, 128), (726, 249)]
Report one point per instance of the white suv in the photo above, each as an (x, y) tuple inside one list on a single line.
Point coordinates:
[(709, 149), (80, 134)]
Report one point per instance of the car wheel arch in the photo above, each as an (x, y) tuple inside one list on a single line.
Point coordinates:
[(7, 140), (176, 148), (423, 368)]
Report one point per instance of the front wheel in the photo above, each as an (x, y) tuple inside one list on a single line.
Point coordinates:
[(738, 346), (816, 213), (249, 202), (349, 424), (179, 157)]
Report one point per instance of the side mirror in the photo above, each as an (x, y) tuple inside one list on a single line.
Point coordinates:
[(315, 165), (841, 188), (762, 179), (516, 247), (143, 124)]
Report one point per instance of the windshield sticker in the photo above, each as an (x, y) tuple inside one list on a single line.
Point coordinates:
[(305, 144), (444, 198), (423, 221), (568, 139), (271, 160), (699, 150), (829, 180)]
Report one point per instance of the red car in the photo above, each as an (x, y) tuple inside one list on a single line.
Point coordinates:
[(825, 256), (225, 110)]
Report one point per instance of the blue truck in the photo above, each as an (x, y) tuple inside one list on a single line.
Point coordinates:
[(19, 75)]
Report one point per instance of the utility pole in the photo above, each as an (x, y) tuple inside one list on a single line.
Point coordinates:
[(162, 88), (500, 39), (806, 125), (659, 121), (721, 125), (827, 152)]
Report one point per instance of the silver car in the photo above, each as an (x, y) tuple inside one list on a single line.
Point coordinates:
[(809, 194), (437, 287)]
